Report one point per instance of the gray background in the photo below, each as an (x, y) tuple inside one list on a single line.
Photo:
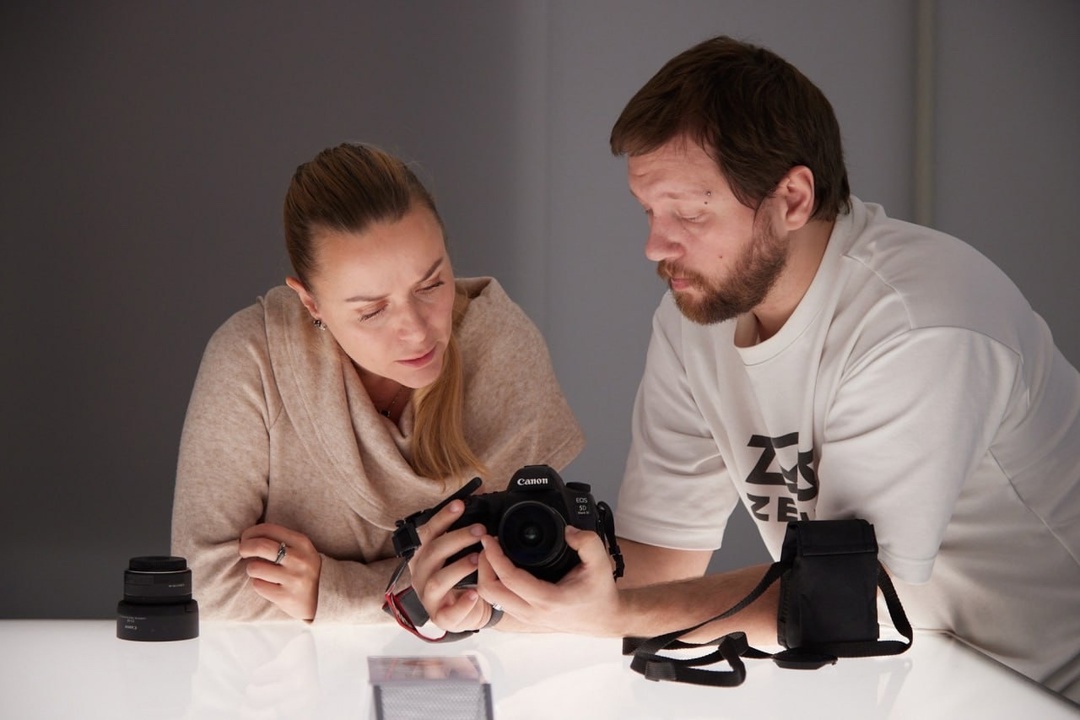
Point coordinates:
[(146, 148)]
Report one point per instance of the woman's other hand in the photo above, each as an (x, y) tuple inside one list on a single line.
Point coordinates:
[(284, 568), (452, 608)]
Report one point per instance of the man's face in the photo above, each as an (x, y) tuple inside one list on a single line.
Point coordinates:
[(719, 257)]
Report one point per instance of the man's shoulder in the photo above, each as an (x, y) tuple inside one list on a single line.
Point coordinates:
[(935, 277)]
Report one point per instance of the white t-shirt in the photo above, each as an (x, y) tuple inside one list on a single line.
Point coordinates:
[(914, 387)]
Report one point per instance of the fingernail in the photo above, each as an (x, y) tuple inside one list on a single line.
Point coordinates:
[(456, 507), (474, 558), (477, 530), (571, 530)]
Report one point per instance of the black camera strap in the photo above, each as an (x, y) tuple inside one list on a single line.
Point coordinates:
[(731, 648), (405, 538), (607, 532)]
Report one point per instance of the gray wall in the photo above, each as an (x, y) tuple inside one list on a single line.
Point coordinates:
[(146, 148)]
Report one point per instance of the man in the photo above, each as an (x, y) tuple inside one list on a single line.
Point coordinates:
[(816, 359)]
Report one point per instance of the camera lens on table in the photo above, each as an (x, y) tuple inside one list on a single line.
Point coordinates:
[(157, 604)]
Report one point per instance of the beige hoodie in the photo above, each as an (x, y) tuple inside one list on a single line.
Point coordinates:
[(280, 429)]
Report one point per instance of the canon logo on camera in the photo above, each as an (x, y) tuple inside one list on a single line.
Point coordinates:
[(533, 481)]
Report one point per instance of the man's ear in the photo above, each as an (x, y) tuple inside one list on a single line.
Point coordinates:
[(796, 192), (305, 297)]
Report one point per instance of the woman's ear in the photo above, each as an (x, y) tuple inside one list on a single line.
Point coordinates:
[(305, 297)]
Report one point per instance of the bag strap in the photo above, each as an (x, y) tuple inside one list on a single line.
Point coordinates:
[(607, 527), (730, 647), (734, 646)]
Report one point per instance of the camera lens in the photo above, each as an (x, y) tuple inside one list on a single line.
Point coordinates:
[(157, 602), (531, 534)]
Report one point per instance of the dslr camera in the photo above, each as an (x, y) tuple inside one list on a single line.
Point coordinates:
[(529, 518)]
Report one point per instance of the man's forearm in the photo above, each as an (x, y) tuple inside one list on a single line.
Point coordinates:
[(658, 609)]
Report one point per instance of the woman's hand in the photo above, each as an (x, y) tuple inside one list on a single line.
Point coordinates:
[(451, 608), (284, 568)]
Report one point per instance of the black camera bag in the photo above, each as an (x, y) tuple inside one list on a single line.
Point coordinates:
[(829, 574)]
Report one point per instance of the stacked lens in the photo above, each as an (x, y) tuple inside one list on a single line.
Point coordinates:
[(157, 602)]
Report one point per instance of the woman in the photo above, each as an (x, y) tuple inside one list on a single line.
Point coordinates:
[(372, 386)]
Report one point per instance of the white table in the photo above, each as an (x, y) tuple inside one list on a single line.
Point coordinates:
[(79, 669)]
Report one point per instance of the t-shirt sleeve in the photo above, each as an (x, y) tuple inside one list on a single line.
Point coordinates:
[(909, 424), (675, 491)]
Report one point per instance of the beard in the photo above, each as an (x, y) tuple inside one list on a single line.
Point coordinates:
[(754, 274)]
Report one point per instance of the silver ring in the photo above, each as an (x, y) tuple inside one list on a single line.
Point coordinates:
[(282, 551)]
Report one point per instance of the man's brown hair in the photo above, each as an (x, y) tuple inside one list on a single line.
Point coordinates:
[(751, 110)]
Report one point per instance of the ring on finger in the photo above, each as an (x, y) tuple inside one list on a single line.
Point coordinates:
[(282, 551)]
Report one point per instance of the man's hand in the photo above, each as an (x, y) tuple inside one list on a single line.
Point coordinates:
[(284, 568), (584, 601), (452, 609)]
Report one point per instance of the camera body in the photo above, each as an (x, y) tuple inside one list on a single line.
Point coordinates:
[(529, 519), (157, 604)]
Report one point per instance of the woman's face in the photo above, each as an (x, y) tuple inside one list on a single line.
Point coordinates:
[(386, 295)]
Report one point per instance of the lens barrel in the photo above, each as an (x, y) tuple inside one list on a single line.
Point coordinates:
[(532, 534), (157, 604)]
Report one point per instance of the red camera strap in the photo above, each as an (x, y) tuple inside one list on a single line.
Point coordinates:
[(407, 610)]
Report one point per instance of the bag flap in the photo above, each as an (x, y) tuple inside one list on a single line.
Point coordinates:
[(829, 537)]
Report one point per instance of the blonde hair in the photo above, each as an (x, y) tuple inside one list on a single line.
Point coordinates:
[(438, 448), (348, 188)]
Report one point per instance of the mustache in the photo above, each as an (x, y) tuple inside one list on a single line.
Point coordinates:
[(668, 270)]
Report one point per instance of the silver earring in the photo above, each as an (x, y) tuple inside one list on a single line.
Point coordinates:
[(318, 323)]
